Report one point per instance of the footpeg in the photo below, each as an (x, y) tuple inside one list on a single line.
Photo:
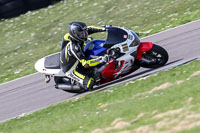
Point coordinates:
[(47, 79)]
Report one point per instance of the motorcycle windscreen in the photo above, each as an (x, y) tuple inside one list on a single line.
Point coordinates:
[(115, 36)]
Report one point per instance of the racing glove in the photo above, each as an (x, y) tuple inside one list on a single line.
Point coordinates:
[(105, 59), (105, 26)]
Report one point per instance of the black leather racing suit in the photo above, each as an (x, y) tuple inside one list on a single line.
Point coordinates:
[(72, 56)]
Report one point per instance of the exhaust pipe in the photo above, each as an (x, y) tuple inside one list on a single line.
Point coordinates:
[(67, 87)]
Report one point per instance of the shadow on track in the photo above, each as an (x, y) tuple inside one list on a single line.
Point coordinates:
[(132, 76), (129, 77)]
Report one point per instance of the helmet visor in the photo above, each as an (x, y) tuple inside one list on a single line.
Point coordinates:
[(82, 34)]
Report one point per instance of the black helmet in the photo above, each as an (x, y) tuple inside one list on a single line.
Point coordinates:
[(78, 31)]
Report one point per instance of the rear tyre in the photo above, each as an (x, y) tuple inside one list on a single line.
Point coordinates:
[(76, 91), (157, 56), (58, 80)]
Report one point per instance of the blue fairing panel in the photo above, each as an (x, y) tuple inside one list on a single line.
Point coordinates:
[(94, 49)]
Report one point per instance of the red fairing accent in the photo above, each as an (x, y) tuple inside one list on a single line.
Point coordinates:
[(144, 46), (109, 72)]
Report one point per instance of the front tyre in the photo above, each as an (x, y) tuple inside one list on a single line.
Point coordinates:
[(154, 58)]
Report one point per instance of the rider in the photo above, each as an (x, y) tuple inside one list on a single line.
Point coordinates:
[(72, 53)]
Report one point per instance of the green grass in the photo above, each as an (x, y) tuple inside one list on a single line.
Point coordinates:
[(25, 39), (170, 109), (29, 37)]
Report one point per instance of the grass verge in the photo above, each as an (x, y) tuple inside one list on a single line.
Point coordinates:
[(25, 39), (167, 102)]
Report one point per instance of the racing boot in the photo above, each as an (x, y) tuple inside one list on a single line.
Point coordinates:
[(88, 83), (85, 81)]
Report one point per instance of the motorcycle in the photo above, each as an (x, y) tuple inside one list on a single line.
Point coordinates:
[(127, 54)]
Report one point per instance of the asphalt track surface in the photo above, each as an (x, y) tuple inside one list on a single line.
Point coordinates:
[(28, 94)]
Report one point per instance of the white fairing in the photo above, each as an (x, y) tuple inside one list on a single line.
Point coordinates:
[(126, 44), (128, 64), (125, 47), (39, 66), (129, 60)]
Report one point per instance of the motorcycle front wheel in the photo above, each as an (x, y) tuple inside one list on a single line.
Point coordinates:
[(155, 57)]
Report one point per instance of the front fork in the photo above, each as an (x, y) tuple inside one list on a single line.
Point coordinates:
[(143, 47)]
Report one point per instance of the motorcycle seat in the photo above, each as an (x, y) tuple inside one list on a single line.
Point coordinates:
[(52, 61)]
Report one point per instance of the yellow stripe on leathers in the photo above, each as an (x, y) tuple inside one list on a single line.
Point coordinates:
[(89, 82), (79, 75), (91, 63), (61, 60), (66, 50), (66, 37), (94, 27)]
